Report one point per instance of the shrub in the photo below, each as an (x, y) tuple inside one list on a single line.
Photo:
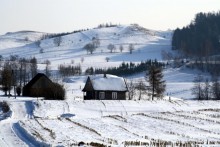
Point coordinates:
[(55, 92), (95, 144), (4, 106)]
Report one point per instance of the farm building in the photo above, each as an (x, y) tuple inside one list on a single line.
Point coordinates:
[(105, 87), (38, 86)]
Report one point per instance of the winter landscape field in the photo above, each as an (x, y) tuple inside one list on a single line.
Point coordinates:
[(176, 120)]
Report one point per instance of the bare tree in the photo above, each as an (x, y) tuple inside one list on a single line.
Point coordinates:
[(131, 48), (38, 43), (47, 68), (198, 87), (41, 50), (206, 90), (57, 40), (23, 71), (33, 66), (215, 88), (121, 48), (82, 59), (111, 47), (26, 39), (96, 42), (72, 61), (90, 48), (107, 59), (131, 90), (141, 88), (6, 80)]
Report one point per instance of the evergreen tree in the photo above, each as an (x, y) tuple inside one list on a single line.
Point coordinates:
[(157, 85)]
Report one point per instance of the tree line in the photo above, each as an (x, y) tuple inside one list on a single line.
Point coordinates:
[(154, 85), (16, 72), (205, 89), (201, 38), (125, 68), (69, 70)]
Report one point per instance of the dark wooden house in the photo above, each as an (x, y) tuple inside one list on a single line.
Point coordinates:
[(38, 86), (105, 87)]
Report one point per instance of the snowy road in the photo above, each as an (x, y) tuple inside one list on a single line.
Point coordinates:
[(21, 110)]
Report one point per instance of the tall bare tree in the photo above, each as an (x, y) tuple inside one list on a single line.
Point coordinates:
[(90, 48), (33, 66), (131, 48), (131, 90), (111, 47), (57, 40), (6, 80), (197, 90), (96, 42), (140, 86), (47, 68), (121, 48), (215, 88)]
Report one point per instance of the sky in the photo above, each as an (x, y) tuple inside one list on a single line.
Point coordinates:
[(54, 16)]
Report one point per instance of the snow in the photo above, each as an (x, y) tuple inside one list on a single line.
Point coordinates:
[(108, 83), (59, 123), (37, 122)]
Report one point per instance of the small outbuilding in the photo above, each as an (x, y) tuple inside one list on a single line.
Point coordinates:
[(38, 86), (105, 87)]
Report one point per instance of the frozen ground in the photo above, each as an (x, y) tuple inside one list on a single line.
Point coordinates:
[(115, 123)]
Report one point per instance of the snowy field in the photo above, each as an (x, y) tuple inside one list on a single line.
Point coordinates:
[(32, 122), (114, 123)]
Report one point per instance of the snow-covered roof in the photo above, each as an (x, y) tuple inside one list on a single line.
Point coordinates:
[(108, 83)]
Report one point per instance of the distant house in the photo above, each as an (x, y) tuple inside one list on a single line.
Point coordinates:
[(105, 87), (38, 86)]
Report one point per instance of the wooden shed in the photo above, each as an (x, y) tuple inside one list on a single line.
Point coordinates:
[(38, 86), (105, 87)]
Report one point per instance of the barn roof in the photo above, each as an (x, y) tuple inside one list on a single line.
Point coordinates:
[(108, 83), (36, 78)]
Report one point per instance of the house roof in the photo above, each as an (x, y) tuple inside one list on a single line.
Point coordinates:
[(35, 79), (108, 83)]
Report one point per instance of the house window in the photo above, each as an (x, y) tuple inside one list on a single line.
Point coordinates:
[(114, 95), (101, 95)]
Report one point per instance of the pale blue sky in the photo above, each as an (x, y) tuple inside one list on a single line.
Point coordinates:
[(69, 15)]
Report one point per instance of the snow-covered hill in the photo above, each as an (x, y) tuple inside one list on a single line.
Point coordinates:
[(147, 43), (18, 39), (34, 122)]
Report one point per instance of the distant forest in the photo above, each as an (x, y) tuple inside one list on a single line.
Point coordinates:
[(201, 38), (125, 68)]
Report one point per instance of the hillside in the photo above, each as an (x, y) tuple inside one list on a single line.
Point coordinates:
[(37, 122), (147, 43)]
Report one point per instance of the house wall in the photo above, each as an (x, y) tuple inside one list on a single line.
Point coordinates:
[(92, 95)]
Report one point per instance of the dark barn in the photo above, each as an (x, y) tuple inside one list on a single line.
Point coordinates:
[(38, 86), (105, 87)]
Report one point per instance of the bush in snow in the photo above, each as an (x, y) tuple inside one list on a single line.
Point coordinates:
[(4, 107), (56, 92)]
